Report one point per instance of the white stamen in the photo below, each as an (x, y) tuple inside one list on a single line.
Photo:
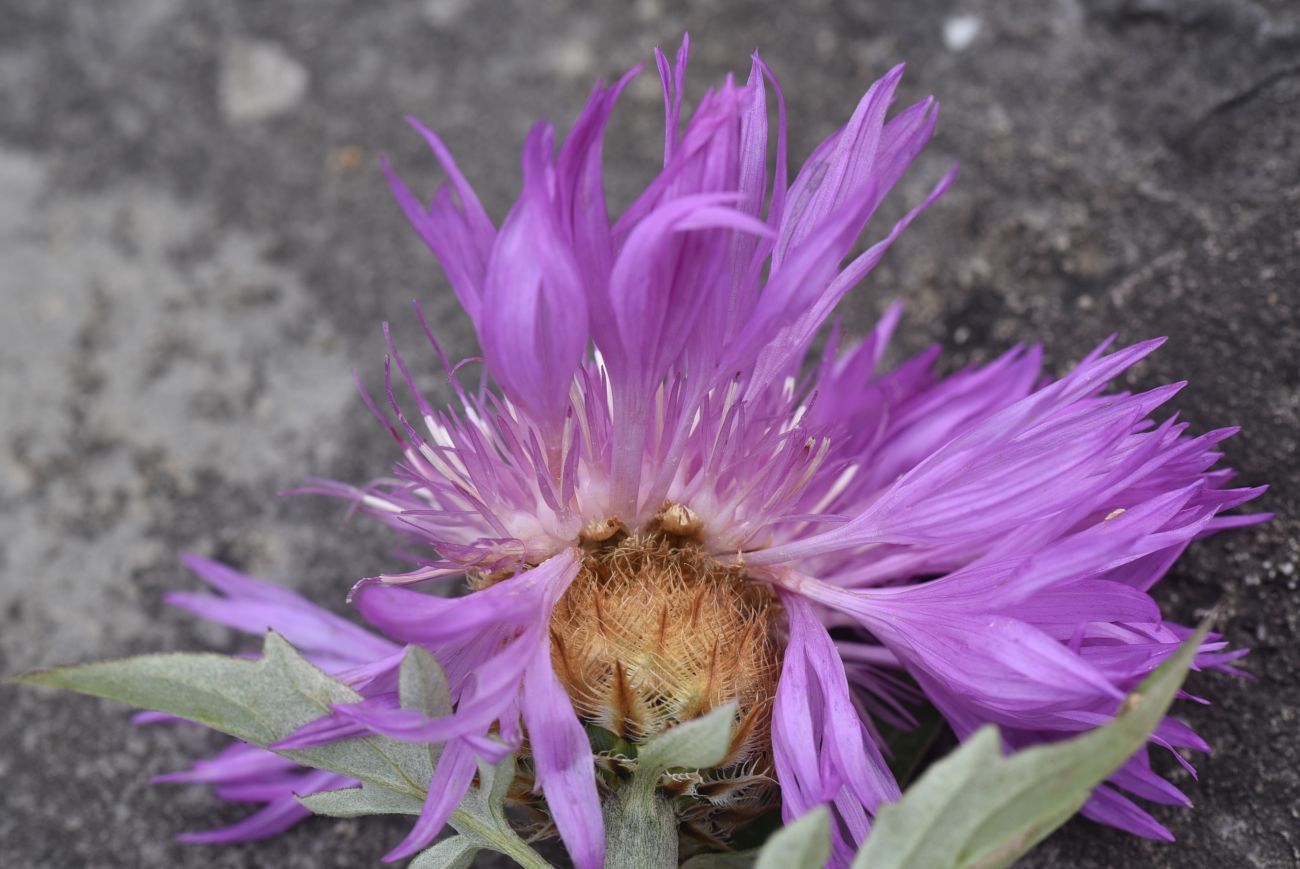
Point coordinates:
[(376, 503), (449, 467), (479, 422), (441, 436), (604, 376), (837, 488), (795, 419)]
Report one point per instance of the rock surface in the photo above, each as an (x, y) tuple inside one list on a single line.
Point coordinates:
[(196, 246)]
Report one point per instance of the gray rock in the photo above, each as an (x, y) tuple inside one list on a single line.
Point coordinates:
[(256, 80), (182, 297)]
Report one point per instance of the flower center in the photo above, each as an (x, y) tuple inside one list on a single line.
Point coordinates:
[(654, 631)]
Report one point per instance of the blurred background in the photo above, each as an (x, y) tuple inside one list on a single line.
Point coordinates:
[(196, 247)]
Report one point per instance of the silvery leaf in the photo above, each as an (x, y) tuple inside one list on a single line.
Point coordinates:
[(977, 808), (804, 844)]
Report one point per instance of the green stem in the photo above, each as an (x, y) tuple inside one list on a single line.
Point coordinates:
[(501, 838), (640, 829)]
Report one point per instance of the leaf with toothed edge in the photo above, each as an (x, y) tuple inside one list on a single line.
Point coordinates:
[(262, 701), (258, 701), (458, 852)]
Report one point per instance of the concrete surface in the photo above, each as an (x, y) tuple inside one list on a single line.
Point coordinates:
[(196, 247)]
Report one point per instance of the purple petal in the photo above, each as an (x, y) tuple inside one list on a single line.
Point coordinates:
[(255, 606), (238, 762), (533, 325), (306, 626), (450, 781), (563, 759), (459, 235), (415, 617), (1108, 807), (280, 814), (838, 168), (331, 728), (819, 748), (582, 191)]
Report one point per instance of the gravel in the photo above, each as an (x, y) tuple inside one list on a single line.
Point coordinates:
[(197, 247)]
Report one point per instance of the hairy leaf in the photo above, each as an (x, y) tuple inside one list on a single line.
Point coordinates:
[(259, 701), (804, 844), (366, 800), (454, 853), (264, 701), (640, 826), (977, 808), (422, 686), (700, 743)]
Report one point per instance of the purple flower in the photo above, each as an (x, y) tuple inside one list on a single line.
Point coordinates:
[(668, 501)]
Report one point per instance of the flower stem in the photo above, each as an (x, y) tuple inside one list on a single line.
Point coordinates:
[(499, 837), (640, 829)]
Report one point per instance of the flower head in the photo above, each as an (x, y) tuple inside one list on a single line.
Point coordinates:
[(664, 501)]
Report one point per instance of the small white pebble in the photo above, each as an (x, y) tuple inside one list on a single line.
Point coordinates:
[(960, 31), (572, 58), (257, 80), (648, 10), (444, 13)]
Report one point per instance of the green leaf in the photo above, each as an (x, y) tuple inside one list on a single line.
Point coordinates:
[(487, 801), (264, 701), (977, 808), (365, 800), (422, 686), (640, 825), (805, 844), (701, 743), (607, 742), (481, 818), (454, 853), (493, 784), (259, 701), (254, 700)]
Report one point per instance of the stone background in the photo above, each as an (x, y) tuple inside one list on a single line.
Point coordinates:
[(196, 247)]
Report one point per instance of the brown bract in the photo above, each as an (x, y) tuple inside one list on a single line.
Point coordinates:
[(654, 631)]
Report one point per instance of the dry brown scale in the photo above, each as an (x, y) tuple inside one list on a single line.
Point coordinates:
[(654, 631)]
